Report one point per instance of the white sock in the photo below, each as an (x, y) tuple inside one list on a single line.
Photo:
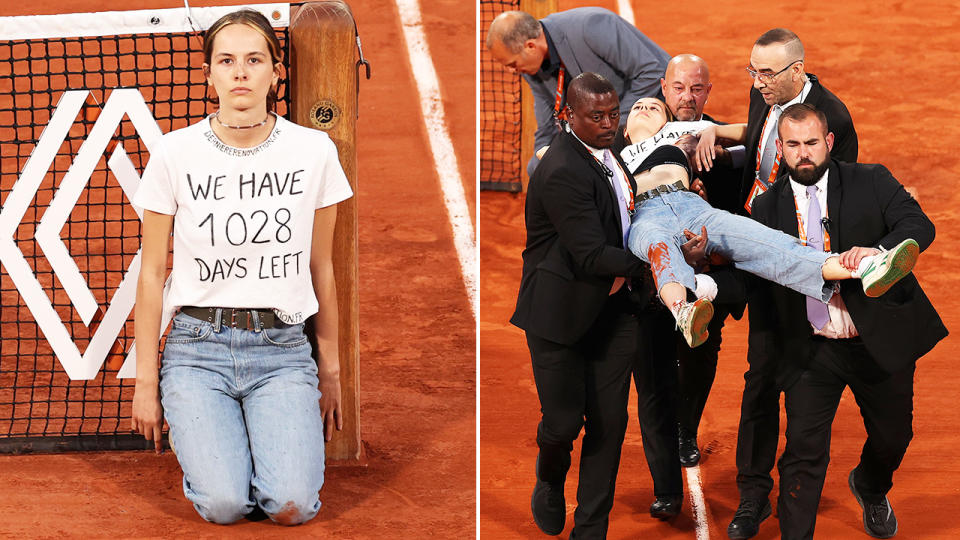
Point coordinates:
[(706, 287)]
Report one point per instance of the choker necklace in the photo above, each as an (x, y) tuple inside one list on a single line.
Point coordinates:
[(251, 126)]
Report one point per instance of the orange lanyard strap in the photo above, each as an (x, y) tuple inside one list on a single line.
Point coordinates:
[(776, 162), (559, 111), (802, 230)]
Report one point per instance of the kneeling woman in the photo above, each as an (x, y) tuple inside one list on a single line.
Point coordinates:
[(665, 207), (251, 200)]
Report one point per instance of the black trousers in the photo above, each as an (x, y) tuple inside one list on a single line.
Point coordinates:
[(655, 376), (585, 386), (759, 428), (697, 370), (886, 405)]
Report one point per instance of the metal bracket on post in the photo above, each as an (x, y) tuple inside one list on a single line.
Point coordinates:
[(361, 62)]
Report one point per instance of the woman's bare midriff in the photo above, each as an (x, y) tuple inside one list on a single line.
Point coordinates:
[(661, 175)]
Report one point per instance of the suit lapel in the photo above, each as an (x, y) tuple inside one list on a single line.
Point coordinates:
[(834, 195), (787, 209)]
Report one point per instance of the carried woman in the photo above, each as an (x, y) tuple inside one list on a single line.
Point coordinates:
[(659, 156)]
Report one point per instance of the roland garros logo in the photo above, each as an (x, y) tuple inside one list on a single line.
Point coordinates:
[(122, 101)]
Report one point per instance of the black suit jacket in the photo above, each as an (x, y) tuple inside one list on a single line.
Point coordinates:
[(867, 207), (838, 122), (574, 244)]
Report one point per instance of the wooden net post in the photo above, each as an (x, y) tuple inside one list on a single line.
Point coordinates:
[(528, 121), (323, 83)]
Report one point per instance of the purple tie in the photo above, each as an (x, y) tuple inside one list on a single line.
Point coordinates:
[(624, 217), (817, 312)]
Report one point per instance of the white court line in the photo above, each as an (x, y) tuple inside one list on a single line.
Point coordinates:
[(626, 11), (444, 159), (697, 502)]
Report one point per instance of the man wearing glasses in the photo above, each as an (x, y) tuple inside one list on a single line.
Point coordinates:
[(779, 80)]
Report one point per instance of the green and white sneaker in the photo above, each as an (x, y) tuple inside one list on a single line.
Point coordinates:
[(692, 320), (880, 272)]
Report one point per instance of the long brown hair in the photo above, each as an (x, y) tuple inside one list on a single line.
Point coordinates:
[(255, 20)]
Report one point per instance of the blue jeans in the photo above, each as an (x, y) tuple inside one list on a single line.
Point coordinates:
[(656, 234), (244, 419)]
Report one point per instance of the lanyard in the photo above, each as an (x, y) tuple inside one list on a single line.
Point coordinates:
[(559, 111), (802, 230), (631, 209)]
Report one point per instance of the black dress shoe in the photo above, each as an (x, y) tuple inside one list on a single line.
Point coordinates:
[(689, 453), (549, 508), (878, 518), (665, 508), (747, 519)]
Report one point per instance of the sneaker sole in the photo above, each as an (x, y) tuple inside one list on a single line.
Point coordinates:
[(902, 264), (703, 312), (864, 510)]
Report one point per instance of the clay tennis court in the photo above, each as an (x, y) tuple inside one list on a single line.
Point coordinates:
[(417, 334), (894, 65)]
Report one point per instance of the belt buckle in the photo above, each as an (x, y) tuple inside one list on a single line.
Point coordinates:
[(233, 318)]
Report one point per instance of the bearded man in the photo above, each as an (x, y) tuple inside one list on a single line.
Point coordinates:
[(868, 344)]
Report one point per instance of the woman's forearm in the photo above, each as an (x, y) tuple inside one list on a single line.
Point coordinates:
[(326, 321), (147, 314), (149, 308), (733, 132)]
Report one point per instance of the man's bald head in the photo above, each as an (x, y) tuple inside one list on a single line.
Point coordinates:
[(512, 29), (594, 109), (687, 62), (686, 86), (516, 41)]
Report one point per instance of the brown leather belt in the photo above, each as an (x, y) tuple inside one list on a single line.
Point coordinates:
[(233, 317), (660, 190)]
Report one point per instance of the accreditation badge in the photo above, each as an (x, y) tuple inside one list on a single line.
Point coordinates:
[(757, 188)]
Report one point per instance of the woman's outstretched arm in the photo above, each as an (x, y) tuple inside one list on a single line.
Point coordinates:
[(325, 322), (147, 416)]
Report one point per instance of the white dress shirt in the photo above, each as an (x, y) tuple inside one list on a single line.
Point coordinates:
[(840, 324)]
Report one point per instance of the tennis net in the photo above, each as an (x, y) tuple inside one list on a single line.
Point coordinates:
[(500, 128)]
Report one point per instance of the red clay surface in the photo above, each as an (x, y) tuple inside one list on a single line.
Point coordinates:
[(894, 65), (417, 341)]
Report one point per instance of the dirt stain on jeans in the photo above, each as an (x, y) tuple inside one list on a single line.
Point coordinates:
[(659, 258), (289, 514)]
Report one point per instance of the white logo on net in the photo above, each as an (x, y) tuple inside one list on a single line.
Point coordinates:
[(122, 101)]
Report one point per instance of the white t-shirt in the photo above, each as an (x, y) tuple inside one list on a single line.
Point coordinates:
[(634, 154), (244, 216)]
